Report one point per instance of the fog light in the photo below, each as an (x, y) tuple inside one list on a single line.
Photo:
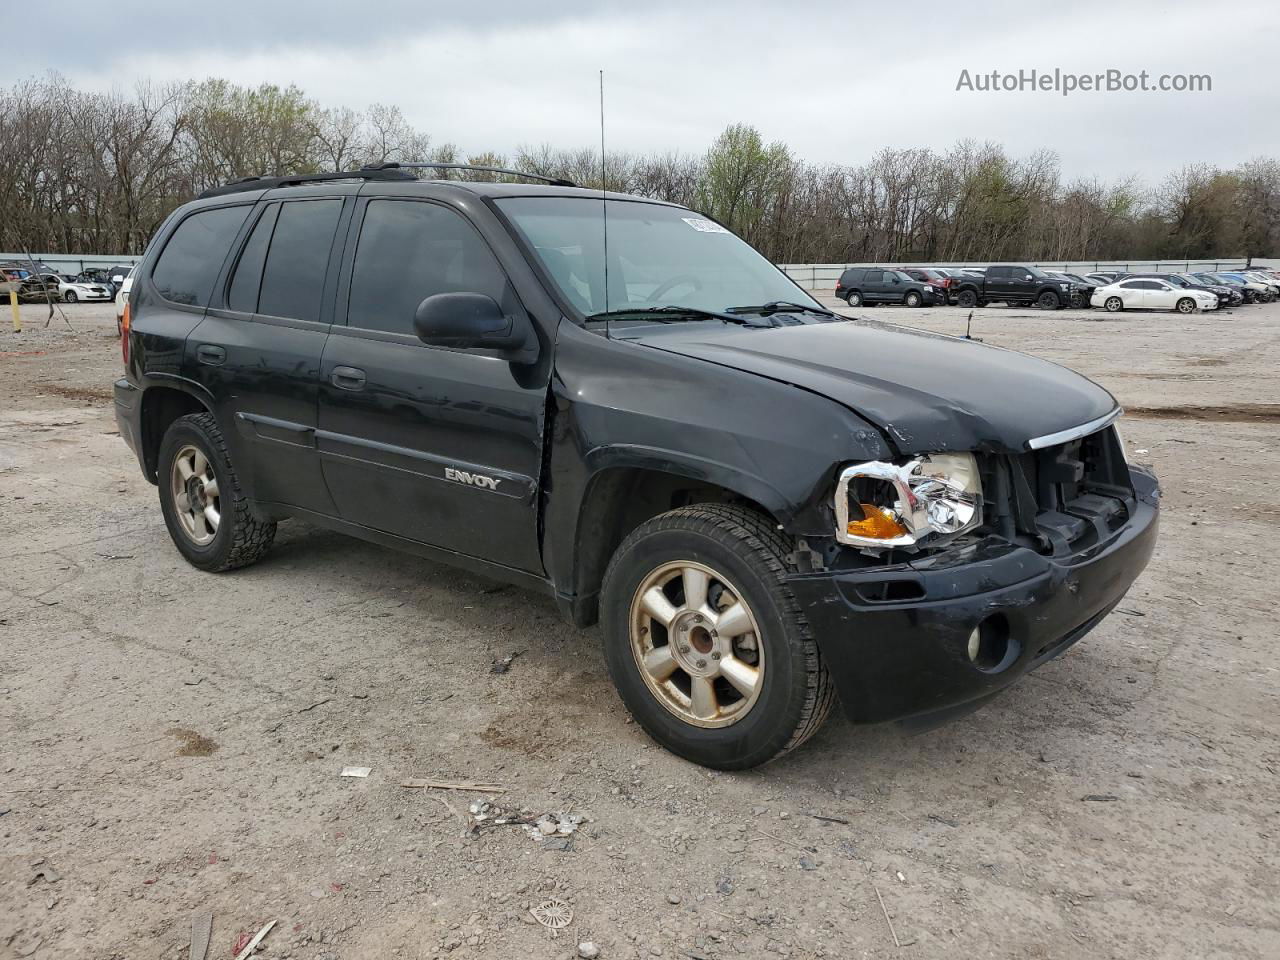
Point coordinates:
[(975, 644)]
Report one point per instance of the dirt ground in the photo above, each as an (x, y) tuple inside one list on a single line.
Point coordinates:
[(171, 741)]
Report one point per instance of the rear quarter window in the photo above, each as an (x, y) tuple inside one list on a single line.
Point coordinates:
[(193, 256)]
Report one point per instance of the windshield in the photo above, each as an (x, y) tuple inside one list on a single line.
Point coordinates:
[(658, 256), (1036, 272)]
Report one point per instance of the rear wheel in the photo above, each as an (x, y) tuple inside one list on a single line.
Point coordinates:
[(1114, 304), (913, 299), (853, 298), (705, 642), (207, 514)]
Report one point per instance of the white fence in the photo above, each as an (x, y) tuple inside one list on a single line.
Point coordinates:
[(71, 263), (822, 277)]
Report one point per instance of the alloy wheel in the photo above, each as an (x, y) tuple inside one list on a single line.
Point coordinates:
[(697, 644), (196, 498)]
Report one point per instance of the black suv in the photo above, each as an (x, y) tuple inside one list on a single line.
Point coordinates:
[(764, 503), (872, 285)]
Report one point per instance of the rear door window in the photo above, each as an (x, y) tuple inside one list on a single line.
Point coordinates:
[(190, 261), (293, 276), (246, 281)]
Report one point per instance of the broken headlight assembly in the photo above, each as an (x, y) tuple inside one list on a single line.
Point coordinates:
[(880, 504)]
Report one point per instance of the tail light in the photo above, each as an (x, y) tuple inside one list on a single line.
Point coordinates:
[(124, 334)]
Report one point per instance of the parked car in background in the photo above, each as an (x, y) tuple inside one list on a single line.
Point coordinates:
[(874, 285), (1081, 289), (1228, 296), (70, 292), (1259, 292), (1260, 276), (930, 275), (122, 298), (1103, 278), (38, 288), (11, 279), (1016, 285), (1176, 280), (1139, 294)]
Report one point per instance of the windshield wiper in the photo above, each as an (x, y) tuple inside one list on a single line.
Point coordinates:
[(784, 306), (671, 311)]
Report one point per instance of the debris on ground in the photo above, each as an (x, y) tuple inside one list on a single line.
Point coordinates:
[(554, 825), (1099, 797), (356, 771), (428, 784), (503, 664), (554, 914), (201, 932), (588, 950), (257, 939)]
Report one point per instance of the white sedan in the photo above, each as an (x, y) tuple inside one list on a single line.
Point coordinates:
[(70, 291), (1152, 295)]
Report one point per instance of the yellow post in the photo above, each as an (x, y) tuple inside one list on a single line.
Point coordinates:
[(17, 317)]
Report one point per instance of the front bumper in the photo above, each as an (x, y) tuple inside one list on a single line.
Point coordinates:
[(893, 659)]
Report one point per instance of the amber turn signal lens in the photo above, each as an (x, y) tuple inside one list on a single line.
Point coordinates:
[(124, 335), (876, 523)]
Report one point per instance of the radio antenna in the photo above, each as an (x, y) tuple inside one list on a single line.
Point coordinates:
[(604, 208)]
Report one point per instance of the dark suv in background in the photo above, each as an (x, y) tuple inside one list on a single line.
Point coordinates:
[(875, 285), (1016, 285), (763, 503)]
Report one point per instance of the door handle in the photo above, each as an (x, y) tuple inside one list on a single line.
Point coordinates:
[(213, 356), (347, 378)]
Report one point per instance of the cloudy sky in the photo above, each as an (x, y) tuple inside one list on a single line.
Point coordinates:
[(835, 81)]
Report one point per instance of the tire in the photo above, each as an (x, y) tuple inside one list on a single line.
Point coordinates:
[(1048, 300), (967, 298), (913, 299), (1186, 305), (1077, 301), (70, 297), (1113, 304), (853, 298), (741, 555), (237, 539)]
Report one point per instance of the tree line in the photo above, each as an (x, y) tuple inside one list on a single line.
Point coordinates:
[(93, 172)]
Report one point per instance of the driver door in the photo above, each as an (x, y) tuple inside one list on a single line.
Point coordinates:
[(434, 444)]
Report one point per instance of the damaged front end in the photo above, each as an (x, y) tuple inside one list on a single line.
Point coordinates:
[(948, 577)]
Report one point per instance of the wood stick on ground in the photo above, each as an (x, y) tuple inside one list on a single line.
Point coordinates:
[(447, 785), (791, 843), (885, 911), (248, 947)]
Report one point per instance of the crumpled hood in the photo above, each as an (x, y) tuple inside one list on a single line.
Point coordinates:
[(927, 392)]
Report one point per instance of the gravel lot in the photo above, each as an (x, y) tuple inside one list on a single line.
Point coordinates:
[(172, 741)]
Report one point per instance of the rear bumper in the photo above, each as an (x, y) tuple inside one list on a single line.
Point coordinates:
[(128, 404), (895, 660)]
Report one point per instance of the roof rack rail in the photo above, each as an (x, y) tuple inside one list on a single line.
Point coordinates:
[(266, 183), (554, 181)]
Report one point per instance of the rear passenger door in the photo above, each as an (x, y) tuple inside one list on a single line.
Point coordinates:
[(433, 444), (258, 349)]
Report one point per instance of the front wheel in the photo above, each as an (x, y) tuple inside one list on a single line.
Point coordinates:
[(1186, 305), (207, 515), (967, 298), (1114, 304), (913, 299), (70, 296), (705, 642), (1048, 301)]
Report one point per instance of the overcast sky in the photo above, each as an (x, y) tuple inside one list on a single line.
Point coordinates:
[(835, 81)]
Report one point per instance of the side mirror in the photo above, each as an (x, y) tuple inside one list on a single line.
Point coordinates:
[(1026, 277), (474, 321)]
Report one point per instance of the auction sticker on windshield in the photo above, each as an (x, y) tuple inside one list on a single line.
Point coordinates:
[(703, 225)]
